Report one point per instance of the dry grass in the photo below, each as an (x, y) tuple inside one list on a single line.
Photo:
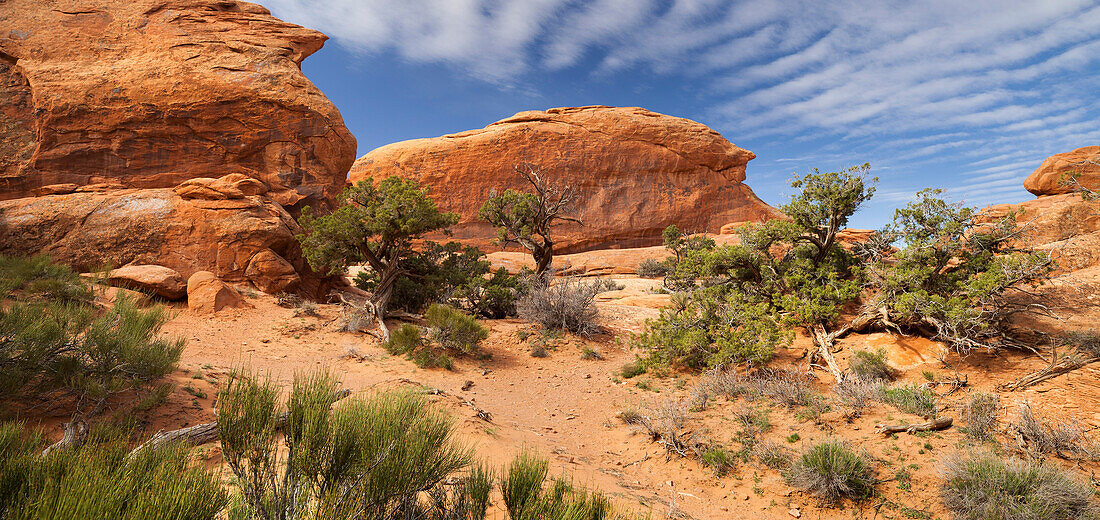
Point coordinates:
[(1061, 438), (985, 487), (983, 414)]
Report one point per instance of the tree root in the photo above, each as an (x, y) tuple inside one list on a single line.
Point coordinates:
[(1066, 365)]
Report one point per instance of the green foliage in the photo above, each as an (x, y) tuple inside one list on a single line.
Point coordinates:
[(526, 218), (375, 225), (632, 369), (831, 471), (54, 341), (913, 399), (370, 458), (97, 480), (454, 329), (719, 460), (409, 341), (528, 496), (744, 298), (450, 273), (951, 274), (871, 366), (652, 268), (984, 487)]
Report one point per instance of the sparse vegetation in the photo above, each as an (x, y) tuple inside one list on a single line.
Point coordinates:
[(590, 353), (1061, 438), (913, 399), (871, 366), (567, 304), (455, 330), (526, 218), (856, 394), (718, 460), (983, 487), (832, 471), (982, 414), (56, 344), (632, 369), (652, 268), (98, 480)]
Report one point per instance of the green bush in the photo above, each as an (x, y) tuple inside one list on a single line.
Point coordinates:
[(984, 487), (871, 366), (454, 329), (54, 342), (453, 274), (632, 369), (832, 471), (408, 341), (913, 399), (97, 480), (527, 496), (652, 268), (719, 460)]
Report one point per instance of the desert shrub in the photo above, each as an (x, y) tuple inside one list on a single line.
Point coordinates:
[(54, 342), (856, 394), (664, 421), (652, 268), (710, 328), (718, 460), (97, 480), (913, 399), (1061, 438), (871, 366), (1086, 342), (984, 487), (539, 350), (590, 353), (454, 329), (772, 455), (567, 305), (786, 387), (453, 274), (832, 471), (982, 414), (528, 496), (409, 341), (632, 369)]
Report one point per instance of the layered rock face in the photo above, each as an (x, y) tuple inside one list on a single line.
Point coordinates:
[(1050, 178), (637, 172), (157, 226), (149, 93), (178, 133), (1067, 226)]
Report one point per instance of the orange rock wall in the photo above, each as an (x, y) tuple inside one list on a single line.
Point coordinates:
[(637, 172)]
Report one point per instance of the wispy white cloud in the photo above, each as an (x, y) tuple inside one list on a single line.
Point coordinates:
[(998, 84)]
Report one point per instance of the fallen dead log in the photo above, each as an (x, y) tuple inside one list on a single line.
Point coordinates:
[(200, 434), (1066, 365), (939, 423), (76, 432)]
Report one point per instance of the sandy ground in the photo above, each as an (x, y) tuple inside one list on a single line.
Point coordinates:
[(565, 407)]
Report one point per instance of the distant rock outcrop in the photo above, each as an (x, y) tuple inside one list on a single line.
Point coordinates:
[(150, 93), (180, 133), (1050, 178), (637, 172)]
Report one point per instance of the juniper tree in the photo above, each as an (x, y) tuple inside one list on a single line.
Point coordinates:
[(376, 225), (526, 218)]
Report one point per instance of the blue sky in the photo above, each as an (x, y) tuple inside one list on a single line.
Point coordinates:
[(969, 96)]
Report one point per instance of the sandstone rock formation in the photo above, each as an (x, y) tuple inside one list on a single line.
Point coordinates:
[(245, 239), (206, 294), (159, 280), (180, 133), (1050, 177), (637, 172), (149, 93)]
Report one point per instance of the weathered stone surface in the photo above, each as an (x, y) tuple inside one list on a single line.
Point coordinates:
[(157, 226), (271, 273), (1050, 177), (162, 281), (149, 93), (206, 294), (637, 172)]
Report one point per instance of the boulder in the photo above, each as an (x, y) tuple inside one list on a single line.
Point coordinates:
[(206, 294), (150, 93), (1050, 177), (271, 273), (636, 171), (156, 279), (158, 226)]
